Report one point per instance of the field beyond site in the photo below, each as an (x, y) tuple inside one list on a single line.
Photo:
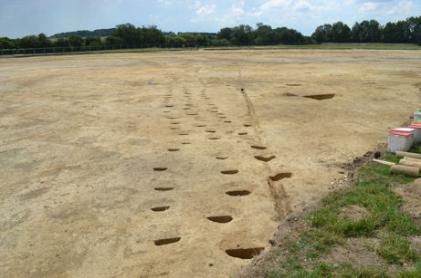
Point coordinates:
[(165, 164)]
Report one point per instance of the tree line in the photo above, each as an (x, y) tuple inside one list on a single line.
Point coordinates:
[(403, 31), (128, 35)]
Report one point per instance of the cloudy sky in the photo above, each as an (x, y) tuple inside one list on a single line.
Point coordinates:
[(24, 17)]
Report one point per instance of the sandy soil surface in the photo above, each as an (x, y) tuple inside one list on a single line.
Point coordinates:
[(159, 165)]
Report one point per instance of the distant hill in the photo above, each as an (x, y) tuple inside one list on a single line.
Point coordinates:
[(85, 33)]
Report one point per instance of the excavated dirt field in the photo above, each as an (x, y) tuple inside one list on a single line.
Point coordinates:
[(160, 165)]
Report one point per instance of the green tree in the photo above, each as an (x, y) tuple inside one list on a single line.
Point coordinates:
[(323, 33), (219, 42), (175, 41), (264, 35), (62, 42), (113, 40), (93, 41), (75, 41), (366, 31), (340, 32), (128, 34), (288, 36), (43, 41), (151, 37), (414, 24), (29, 42), (226, 34), (242, 35), (6, 43)]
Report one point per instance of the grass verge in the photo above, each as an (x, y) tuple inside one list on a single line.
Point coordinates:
[(331, 46), (326, 46), (336, 243)]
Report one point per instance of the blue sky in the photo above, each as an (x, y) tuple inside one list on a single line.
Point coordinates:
[(24, 17)]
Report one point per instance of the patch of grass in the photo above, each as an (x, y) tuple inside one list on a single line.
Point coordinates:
[(322, 46), (329, 228), (331, 46), (412, 273), (317, 241), (392, 158), (396, 249), (416, 148), (323, 270)]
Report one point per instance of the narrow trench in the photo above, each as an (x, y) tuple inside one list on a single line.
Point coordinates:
[(278, 193)]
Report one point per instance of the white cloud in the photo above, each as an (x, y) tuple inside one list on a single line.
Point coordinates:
[(203, 9), (402, 8), (291, 5), (270, 4), (368, 7)]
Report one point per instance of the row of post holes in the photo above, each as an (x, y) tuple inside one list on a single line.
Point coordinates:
[(242, 253)]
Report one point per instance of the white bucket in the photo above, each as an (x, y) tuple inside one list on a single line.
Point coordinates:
[(401, 139)]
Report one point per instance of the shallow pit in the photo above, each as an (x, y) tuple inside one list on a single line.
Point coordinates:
[(265, 158), (159, 209), (166, 241), (258, 147), (238, 193), (160, 169), (281, 176), (222, 157), (229, 172), (321, 97), (164, 188), (246, 253), (220, 219)]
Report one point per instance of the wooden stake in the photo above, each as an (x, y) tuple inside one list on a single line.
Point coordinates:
[(407, 154), (412, 163), (383, 162), (407, 170)]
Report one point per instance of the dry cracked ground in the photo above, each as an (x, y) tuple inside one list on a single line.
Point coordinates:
[(180, 164)]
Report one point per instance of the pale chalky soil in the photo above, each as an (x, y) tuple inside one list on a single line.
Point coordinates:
[(155, 165)]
